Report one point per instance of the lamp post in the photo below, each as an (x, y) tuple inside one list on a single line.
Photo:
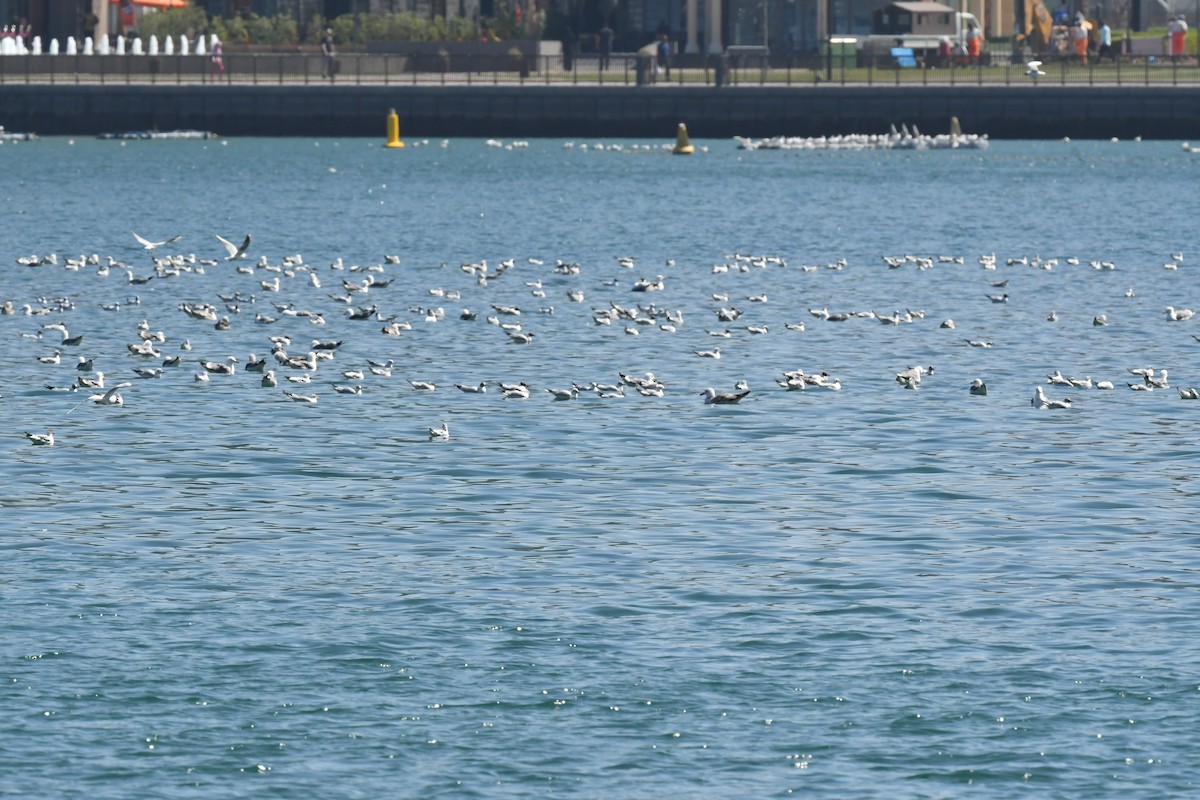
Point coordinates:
[(823, 36)]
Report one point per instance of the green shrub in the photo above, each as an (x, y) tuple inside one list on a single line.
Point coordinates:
[(348, 29), (173, 22)]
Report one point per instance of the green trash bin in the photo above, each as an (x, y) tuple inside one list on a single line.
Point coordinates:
[(839, 53)]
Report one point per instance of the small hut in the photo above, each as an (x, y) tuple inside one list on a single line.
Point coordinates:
[(920, 18)]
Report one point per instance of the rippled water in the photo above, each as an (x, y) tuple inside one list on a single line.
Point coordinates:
[(867, 593)]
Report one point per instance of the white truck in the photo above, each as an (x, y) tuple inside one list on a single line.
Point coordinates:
[(919, 26)]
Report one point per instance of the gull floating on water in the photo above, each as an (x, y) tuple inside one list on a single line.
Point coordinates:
[(217, 367), (712, 397), (1179, 315), (91, 383), (46, 438), (911, 378), (978, 387), (1040, 400), (441, 434)]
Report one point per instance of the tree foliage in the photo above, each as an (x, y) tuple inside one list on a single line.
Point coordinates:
[(348, 29)]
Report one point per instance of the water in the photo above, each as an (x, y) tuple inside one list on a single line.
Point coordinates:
[(869, 593)]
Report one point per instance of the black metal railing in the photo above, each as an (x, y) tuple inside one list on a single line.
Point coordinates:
[(733, 69)]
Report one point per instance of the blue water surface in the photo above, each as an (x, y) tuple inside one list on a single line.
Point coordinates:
[(872, 592)]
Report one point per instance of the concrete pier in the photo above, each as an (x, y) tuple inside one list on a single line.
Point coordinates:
[(1004, 112)]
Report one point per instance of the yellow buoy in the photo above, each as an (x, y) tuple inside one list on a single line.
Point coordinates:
[(393, 129), (683, 147)]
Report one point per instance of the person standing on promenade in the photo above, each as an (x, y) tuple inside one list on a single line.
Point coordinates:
[(606, 40), (1105, 43), (1178, 29), (218, 58), (945, 53), (974, 42), (569, 43), (328, 55), (664, 55)]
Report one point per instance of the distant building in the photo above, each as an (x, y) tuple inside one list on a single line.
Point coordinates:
[(784, 26)]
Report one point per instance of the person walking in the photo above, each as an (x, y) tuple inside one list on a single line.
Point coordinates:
[(606, 40), (1079, 40), (328, 55), (1105, 43)]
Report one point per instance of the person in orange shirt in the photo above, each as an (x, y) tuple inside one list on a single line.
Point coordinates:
[(974, 42), (1079, 38)]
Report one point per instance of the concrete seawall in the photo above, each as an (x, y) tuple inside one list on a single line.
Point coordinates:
[(1006, 112)]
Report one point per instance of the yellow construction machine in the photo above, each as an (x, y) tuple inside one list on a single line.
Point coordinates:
[(1034, 25)]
